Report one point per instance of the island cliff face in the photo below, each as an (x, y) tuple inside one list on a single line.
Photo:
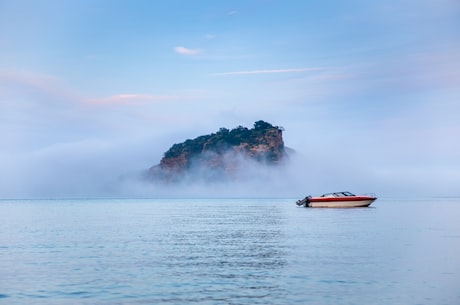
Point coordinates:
[(221, 155)]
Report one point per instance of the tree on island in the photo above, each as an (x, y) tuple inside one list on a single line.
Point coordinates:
[(220, 141)]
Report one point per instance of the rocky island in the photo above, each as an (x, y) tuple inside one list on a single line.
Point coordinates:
[(222, 155)]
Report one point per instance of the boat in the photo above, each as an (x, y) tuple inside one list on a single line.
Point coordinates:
[(337, 200)]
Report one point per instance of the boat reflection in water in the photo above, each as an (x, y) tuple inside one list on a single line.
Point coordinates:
[(337, 200)]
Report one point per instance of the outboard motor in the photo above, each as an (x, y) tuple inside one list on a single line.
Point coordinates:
[(304, 202)]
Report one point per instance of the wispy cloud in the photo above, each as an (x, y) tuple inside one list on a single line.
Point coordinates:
[(40, 81), (131, 99), (187, 51), (271, 71), (26, 83)]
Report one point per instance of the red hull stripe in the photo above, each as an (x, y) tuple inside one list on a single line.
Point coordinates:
[(349, 198)]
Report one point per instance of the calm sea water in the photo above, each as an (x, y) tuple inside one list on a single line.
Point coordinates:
[(228, 251)]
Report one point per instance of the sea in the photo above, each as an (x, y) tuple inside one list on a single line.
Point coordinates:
[(228, 251)]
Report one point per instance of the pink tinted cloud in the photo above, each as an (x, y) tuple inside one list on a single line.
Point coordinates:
[(131, 99), (25, 82)]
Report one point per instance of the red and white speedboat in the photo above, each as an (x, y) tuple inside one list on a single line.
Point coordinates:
[(337, 200)]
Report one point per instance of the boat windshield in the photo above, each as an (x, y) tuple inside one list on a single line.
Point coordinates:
[(338, 194)]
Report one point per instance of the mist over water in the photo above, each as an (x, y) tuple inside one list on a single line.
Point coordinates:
[(117, 169)]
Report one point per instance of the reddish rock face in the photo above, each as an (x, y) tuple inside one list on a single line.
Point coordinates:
[(222, 155)]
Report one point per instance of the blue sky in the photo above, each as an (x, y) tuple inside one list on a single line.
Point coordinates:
[(368, 92)]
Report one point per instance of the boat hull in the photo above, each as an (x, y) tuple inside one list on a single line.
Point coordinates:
[(358, 203), (337, 200)]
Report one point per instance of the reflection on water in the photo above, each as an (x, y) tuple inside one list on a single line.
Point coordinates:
[(228, 251)]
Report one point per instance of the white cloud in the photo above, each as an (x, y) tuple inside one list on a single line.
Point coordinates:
[(293, 70), (187, 51)]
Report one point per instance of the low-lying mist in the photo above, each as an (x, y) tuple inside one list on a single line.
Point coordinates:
[(230, 174), (100, 169), (91, 169)]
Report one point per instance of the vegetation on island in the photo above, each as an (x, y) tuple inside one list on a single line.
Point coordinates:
[(222, 140)]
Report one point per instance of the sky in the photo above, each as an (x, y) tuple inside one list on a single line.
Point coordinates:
[(94, 91)]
